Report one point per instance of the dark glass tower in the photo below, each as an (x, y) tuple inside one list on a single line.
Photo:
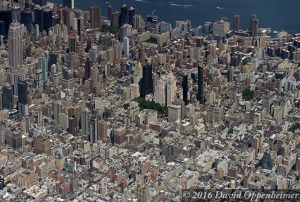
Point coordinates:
[(68, 3), (47, 17), (2, 28), (28, 4), (146, 83), (124, 15), (39, 2), (26, 19), (22, 92), (78, 26), (200, 85), (6, 17), (52, 60), (7, 97), (185, 88), (109, 12), (39, 17), (87, 69), (131, 13)]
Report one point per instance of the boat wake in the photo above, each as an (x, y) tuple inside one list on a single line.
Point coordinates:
[(220, 8), (170, 3), (151, 2), (144, 1), (181, 5)]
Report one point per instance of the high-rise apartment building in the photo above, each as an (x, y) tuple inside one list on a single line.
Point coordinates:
[(253, 29), (236, 23), (115, 19), (95, 17), (160, 91), (221, 27), (171, 88), (138, 22)]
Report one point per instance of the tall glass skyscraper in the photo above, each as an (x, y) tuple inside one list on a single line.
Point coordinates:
[(185, 88), (69, 3), (7, 97), (43, 66), (22, 92), (146, 83), (200, 85)]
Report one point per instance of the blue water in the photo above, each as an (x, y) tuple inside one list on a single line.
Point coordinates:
[(277, 14)]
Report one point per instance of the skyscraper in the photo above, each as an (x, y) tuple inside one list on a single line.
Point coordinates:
[(72, 42), (2, 28), (126, 46), (78, 26), (146, 83), (16, 13), (124, 15), (17, 78), (39, 17), (6, 19), (87, 69), (7, 96), (253, 25), (185, 88), (171, 88), (47, 18), (93, 136), (15, 45), (22, 92), (43, 66), (95, 17), (28, 4), (131, 13), (230, 74), (221, 27), (85, 117), (69, 3), (102, 130), (236, 23), (26, 19), (160, 91), (138, 22), (109, 12), (39, 2), (115, 20), (200, 85)]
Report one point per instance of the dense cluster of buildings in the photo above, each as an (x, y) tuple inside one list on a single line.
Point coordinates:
[(122, 108)]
